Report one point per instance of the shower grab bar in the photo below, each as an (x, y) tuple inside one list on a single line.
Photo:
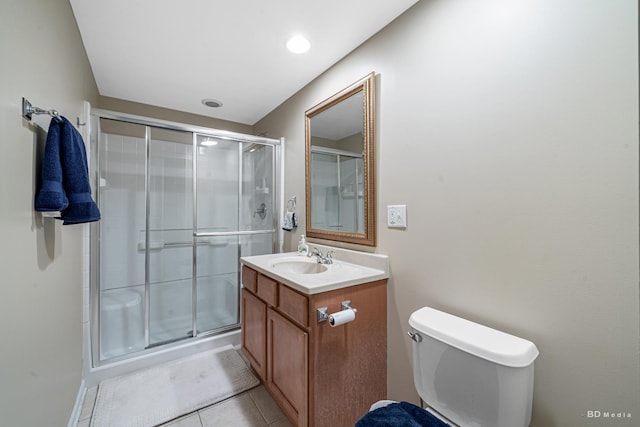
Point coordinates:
[(161, 245), (233, 233), (154, 244)]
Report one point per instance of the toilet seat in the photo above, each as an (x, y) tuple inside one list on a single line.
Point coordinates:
[(381, 404)]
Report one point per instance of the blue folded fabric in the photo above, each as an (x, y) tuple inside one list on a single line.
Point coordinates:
[(65, 176), (401, 414), (51, 196)]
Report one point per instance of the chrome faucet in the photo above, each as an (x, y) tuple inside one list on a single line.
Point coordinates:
[(322, 259)]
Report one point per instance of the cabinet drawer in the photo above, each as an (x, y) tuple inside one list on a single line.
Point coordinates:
[(267, 290), (294, 305), (249, 277)]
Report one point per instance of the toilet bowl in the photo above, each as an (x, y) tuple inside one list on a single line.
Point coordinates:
[(468, 374)]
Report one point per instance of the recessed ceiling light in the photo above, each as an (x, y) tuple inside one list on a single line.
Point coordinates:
[(298, 44), (213, 103)]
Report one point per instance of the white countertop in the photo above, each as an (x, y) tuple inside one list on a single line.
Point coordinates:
[(349, 268)]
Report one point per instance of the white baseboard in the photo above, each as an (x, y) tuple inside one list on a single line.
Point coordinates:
[(77, 407)]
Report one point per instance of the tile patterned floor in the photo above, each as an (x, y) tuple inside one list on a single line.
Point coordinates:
[(253, 408)]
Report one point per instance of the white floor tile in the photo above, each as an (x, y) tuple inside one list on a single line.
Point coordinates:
[(281, 423), (192, 420), (266, 405), (239, 411)]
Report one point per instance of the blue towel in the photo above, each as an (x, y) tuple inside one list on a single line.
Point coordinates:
[(65, 176), (51, 196), (401, 414)]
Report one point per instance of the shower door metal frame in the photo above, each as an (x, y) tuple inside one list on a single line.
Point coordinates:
[(150, 123)]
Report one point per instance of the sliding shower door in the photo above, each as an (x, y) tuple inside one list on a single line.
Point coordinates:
[(179, 207), (169, 232), (218, 209), (118, 243), (234, 188)]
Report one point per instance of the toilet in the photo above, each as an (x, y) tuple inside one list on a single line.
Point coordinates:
[(470, 375)]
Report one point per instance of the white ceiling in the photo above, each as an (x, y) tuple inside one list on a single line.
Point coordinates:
[(174, 53)]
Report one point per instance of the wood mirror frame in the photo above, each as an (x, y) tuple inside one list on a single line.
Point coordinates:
[(365, 234)]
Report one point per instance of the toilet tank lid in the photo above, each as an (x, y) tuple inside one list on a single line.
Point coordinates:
[(482, 341)]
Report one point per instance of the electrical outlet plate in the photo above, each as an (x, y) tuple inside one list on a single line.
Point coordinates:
[(397, 216)]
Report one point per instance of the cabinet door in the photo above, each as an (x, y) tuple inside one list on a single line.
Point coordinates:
[(254, 332), (287, 367)]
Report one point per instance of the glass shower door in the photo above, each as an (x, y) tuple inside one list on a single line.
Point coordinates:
[(325, 191), (121, 253), (258, 200), (351, 195), (169, 235), (178, 210), (217, 185), (234, 188)]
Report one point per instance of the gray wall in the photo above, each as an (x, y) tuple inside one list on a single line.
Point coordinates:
[(510, 130), (41, 298), (42, 59), (516, 124)]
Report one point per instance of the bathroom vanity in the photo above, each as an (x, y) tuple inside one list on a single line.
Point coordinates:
[(318, 374)]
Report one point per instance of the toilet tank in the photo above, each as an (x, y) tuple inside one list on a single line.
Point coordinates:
[(473, 375)]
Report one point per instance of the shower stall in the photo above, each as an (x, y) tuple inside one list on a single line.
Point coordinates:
[(180, 204), (337, 189)]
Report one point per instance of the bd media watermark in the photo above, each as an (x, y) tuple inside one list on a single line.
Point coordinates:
[(608, 415)]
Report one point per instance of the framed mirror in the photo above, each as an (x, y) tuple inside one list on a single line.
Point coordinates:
[(340, 165)]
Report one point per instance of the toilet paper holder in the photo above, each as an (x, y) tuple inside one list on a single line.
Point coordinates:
[(323, 312)]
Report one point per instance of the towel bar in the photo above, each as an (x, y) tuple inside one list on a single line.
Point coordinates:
[(28, 110)]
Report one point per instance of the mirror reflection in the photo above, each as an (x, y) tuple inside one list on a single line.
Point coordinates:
[(340, 159)]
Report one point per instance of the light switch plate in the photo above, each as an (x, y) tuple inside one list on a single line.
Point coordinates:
[(397, 216)]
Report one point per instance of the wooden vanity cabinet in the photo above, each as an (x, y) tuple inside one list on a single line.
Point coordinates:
[(319, 375), (287, 366), (254, 332)]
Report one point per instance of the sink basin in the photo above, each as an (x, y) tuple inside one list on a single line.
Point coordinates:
[(306, 276), (298, 266)]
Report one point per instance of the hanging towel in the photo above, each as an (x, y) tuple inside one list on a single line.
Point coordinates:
[(65, 166), (289, 222), (51, 196), (401, 414)]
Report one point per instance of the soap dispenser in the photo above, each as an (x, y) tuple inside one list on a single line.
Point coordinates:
[(303, 248)]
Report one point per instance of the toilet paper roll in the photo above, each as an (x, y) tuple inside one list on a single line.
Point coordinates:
[(342, 317)]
